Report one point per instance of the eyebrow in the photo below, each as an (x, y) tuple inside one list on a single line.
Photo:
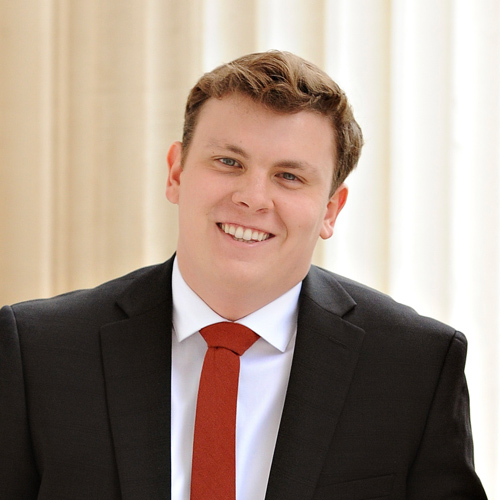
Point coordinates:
[(229, 147), (291, 164), (295, 165)]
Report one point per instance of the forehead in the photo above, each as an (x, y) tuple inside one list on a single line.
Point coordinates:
[(237, 119)]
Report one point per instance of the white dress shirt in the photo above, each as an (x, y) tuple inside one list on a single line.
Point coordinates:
[(264, 373)]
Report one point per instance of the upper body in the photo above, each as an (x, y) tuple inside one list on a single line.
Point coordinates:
[(376, 402)]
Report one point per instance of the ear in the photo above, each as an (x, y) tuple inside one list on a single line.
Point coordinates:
[(174, 157), (333, 208)]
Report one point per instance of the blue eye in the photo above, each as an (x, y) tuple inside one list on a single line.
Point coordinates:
[(288, 176), (229, 162)]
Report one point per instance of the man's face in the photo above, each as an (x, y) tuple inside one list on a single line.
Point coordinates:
[(253, 197)]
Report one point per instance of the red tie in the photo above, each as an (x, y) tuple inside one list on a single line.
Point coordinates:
[(214, 455)]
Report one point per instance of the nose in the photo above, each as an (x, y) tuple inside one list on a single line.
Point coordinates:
[(253, 191)]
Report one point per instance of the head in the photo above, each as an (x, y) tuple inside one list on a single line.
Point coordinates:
[(284, 83), (258, 178)]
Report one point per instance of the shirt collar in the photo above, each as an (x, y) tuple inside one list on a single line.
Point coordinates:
[(276, 322)]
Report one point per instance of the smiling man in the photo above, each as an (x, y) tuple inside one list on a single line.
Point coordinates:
[(236, 370)]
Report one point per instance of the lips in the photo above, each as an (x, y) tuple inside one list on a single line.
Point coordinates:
[(241, 233)]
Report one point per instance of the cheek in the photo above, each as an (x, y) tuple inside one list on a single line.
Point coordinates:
[(306, 218), (203, 187), (201, 202)]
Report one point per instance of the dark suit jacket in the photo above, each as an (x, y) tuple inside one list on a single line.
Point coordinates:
[(376, 407)]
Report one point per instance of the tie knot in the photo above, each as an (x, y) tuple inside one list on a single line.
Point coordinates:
[(232, 336)]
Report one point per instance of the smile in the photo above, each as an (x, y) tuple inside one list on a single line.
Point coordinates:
[(240, 233)]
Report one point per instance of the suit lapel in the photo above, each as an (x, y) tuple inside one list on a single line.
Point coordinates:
[(325, 358), (136, 356)]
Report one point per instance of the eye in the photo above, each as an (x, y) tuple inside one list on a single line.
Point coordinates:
[(229, 162), (288, 176)]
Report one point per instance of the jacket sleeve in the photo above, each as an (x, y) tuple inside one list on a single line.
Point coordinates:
[(18, 474), (444, 464)]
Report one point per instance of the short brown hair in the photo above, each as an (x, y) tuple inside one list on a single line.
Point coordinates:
[(285, 83)]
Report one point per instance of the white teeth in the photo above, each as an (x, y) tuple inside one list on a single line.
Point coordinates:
[(244, 234)]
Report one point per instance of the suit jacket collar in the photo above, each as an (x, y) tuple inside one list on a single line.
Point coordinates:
[(137, 363), (136, 355), (325, 358)]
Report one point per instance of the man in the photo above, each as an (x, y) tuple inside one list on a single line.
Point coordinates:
[(345, 394)]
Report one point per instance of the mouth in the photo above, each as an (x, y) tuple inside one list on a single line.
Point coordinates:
[(244, 234)]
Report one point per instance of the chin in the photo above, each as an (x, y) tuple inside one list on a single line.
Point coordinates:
[(240, 274)]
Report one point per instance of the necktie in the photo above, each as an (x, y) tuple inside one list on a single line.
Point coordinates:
[(214, 454)]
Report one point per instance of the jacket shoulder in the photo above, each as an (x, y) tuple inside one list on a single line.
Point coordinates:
[(377, 310), (93, 306)]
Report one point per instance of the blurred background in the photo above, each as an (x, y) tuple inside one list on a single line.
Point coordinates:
[(92, 94)]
